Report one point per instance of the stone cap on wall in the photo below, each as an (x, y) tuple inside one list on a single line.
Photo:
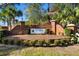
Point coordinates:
[(52, 20), (71, 25)]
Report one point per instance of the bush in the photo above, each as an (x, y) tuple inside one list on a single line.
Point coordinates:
[(64, 43), (41, 42), (6, 32), (1, 34), (78, 40), (51, 41), (61, 42), (5, 41), (34, 42), (48, 42), (74, 40), (44, 43), (12, 42), (0, 41), (57, 42), (27, 42), (18, 42), (67, 32)]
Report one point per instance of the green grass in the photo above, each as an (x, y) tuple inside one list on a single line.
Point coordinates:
[(40, 51)]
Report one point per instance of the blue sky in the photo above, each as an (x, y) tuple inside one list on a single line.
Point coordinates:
[(23, 8)]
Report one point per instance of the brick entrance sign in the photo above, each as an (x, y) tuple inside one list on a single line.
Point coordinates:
[(52, 28)]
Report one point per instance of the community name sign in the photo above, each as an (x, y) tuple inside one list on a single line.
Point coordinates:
[(38, 31)]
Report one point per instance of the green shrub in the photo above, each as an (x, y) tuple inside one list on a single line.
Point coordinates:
[(57, 42), (0, 41), (1, 35), (12, 42), (64, 43), (27, 42), (4, 33), (5, 41), (34, 42), (15, 42), (61, 42), (78, 40), (41, 42), (67, 32), (74, 40), (51, 41), (45, 43), (18, 42)]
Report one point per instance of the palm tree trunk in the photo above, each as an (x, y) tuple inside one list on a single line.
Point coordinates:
[(49, 11)]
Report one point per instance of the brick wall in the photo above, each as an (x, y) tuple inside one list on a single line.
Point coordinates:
[(53, 27), (20, 29), (57, 29)]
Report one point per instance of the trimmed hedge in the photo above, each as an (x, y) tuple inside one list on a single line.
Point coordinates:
[(42, 43)]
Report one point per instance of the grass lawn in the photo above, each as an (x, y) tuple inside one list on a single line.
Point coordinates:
[(40, 51)]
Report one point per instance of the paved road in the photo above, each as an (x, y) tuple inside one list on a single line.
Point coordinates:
[(30, 37)]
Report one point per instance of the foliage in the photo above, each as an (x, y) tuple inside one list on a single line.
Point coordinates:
[(5, 42), (51, 41), (57, 42), (41, 43), (11, 42), (27, 42), (36, 13), (4, 33), (8, 14), (1, 34), (61, 42), (74, 39), (66, 13), (33, 42), (67, 32)]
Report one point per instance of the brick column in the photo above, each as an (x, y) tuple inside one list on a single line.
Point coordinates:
[(53, 26)]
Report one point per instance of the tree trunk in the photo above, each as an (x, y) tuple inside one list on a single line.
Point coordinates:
[(9, 24)]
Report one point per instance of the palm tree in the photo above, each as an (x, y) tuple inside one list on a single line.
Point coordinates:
[(66, 14), (9, 13)]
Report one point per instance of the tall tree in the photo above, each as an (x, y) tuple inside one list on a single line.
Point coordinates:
[(36, 14), (66, 13), (8, 14)]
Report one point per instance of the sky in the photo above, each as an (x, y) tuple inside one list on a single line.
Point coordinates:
[(23, 8)]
